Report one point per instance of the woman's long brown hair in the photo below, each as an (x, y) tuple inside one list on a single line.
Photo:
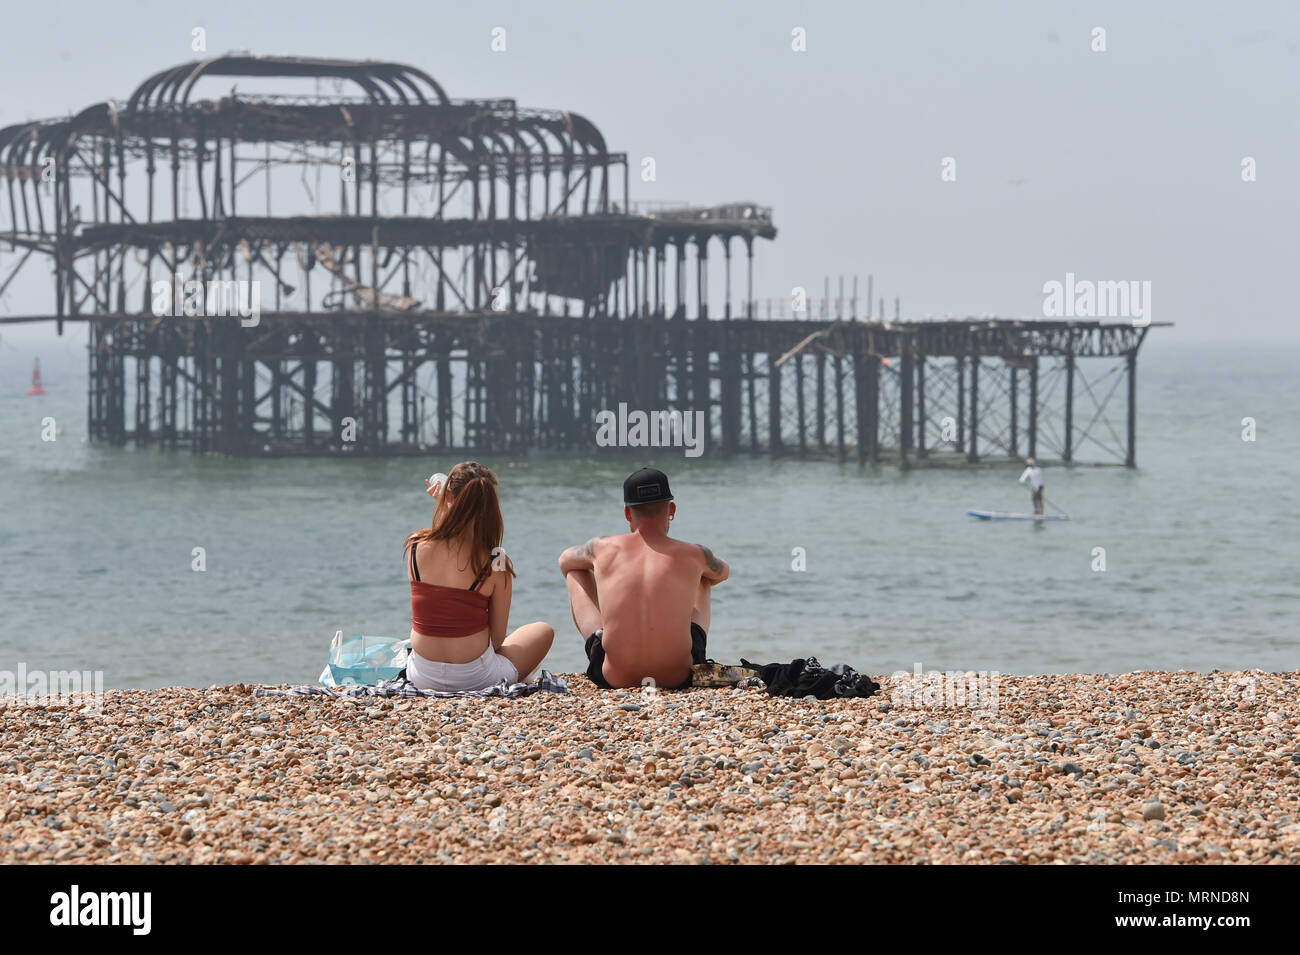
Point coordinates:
[(470, 515)]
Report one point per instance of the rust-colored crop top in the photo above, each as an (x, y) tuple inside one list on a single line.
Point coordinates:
[(438, 611)]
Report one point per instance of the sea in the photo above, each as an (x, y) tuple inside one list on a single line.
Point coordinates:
[(1191, 561)]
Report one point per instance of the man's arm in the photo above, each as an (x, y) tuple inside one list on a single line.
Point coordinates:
[(582, 557), (716, 569), (1023, 476)]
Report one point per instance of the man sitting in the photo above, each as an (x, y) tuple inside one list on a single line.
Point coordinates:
[(642, 599)]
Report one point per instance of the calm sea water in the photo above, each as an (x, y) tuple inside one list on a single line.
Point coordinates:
[(1202, 545)]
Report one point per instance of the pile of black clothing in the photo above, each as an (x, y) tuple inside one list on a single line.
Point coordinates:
[(809, 678)]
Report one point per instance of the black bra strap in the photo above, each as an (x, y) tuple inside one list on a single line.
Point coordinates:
[(415, 571), (481, 574)]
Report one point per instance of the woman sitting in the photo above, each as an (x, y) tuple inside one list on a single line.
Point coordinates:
[(460, 592)]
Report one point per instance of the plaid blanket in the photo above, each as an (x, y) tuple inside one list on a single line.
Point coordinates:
[(548, 682)]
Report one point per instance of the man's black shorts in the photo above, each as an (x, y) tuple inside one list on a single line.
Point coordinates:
[(596, 656)]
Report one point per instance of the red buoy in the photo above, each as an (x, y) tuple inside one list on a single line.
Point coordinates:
[(36, 388)]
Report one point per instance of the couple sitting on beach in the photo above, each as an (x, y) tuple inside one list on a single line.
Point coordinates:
[(640, 600)]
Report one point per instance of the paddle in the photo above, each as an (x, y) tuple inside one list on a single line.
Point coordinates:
[(1047, 500)]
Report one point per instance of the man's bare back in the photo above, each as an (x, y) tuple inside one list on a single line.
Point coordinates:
[(643, 590), (649, 593)]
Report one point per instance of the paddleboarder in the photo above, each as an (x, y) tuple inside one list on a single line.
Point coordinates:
[(1034, 475)]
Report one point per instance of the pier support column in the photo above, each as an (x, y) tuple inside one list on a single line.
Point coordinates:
[(167, 375), (1130, 459), (820, 412), (751, 401), (247, 402), (961, 404), (679, 261), (309, 395), (229, 420), (343, 391), (659, 306), (921, 451), (749, 276), (683, 379), (773, 405), (493, 374), (841, 453), (410, 403), (726, 293), (276, 431), (866, 369), (375, 393), (142, 400), (702, 277), (116, 367), (800, 407), (93, 419), (972, 453), (445, 414), (1069, 407), (729, 371), (1014, 402), (906, 386), (1033, 408), (702, 386), (201, 392)]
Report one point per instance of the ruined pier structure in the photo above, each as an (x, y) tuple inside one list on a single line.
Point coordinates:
[(468, 275)]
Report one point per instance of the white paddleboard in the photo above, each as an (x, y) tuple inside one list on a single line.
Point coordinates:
[(1005, 516)]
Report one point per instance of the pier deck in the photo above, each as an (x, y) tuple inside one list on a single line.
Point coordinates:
[(372, 383)]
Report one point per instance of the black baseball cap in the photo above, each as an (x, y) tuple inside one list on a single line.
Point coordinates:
[(646, 487)]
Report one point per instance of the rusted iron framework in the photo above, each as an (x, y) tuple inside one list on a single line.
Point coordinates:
[(470, 275)]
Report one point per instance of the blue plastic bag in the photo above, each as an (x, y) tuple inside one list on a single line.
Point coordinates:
[(364, 660)]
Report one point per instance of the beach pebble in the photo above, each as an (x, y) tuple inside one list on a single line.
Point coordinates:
[(1056, 773)]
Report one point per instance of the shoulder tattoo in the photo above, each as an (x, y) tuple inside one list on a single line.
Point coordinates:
[(714, 564)]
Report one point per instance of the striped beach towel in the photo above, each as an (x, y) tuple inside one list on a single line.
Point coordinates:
[(547, 682)]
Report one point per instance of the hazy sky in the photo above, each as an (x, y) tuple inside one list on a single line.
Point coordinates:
[(1124, 164)]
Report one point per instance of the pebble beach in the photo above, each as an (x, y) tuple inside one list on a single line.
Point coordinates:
[(1150, 767)]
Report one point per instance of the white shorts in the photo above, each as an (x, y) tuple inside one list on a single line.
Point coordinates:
[(488, 670)]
